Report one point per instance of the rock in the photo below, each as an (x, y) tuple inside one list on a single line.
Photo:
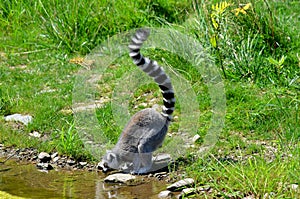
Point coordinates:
[(186, 192), (160, 175), (249, 197), (294, 187), (181, 184), (205, 188), (24, 119), (160, 161), (165, 194), (55, 159), (195, 138), (71, 162), (120, 178), (44, 157), (157, 175), (35, 134), (162, 157), (82, 164), (54, 155), (44, 166)]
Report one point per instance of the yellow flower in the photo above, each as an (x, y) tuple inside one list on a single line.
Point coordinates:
[(242, 9), (215, 23), (219, 8), (76, 60)]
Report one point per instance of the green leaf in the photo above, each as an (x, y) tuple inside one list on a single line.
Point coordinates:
[(273, 61), (213, 41), (282, 59)]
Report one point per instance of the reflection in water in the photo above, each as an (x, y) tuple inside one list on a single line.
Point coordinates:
[(23, 179)]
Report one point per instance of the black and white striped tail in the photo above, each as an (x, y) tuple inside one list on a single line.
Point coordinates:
[(153, 70)]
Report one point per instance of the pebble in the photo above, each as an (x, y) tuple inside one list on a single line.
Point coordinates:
[(44, 166), (24, 119), (83, 163), (160, 161), (165, 194), (44, 157), (55, 159), (187, 187), (35, 134), (294, 186), (195, 138), (186, 192), (54, 155), (71, 162), (181, 184), (120, 178)]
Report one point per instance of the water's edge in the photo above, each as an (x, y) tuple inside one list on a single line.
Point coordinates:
[(25, 180)]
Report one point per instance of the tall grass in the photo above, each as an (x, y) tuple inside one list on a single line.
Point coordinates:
[(67, 141), (260, 175), (78, 26), (244, 36)]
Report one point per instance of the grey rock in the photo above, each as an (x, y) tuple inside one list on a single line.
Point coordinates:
[(186, 192), (157, 175), (54, 155), (24, 119), (160, 175), (181, 184), (294, 186), (82, 164), (35, 134), (160, 161), (71, 162), (195, 138), (165, 194), (191, 191), (120, 178), (44, 166), (55, 159), (205, 188), (44, 157)]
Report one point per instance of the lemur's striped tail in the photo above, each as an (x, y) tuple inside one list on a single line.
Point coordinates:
[(153, 70)]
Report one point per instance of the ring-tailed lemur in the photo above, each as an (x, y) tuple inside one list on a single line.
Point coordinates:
[(146, 129)]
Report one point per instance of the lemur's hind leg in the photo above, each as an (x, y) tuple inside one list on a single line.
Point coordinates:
[(143, 161)]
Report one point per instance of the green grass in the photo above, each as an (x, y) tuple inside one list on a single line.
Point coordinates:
[(258, 150), (250, 174)]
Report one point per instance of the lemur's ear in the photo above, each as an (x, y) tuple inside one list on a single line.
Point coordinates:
[(111, 156)]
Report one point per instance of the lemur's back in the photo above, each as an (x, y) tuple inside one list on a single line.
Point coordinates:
[(147, 129)]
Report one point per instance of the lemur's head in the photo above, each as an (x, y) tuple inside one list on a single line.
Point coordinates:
[(109, 161), (112, 161)]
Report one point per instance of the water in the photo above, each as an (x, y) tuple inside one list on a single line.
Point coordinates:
[(23, 179)]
